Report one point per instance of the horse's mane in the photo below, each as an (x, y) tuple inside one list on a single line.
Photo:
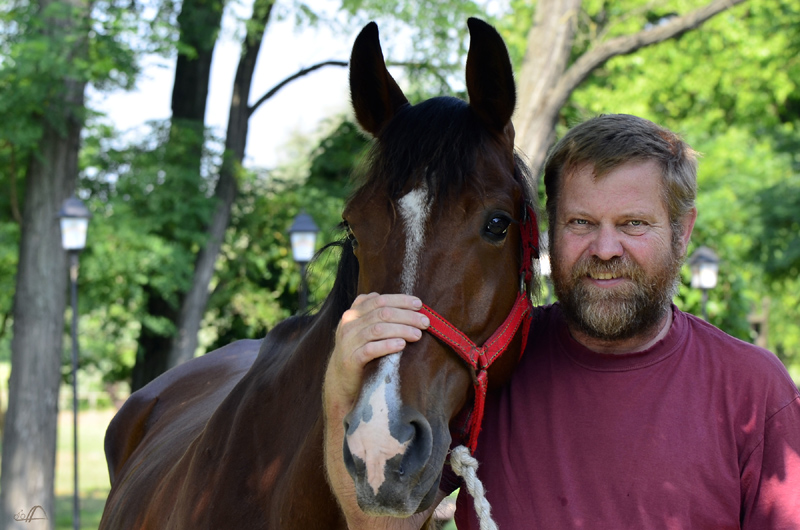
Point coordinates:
[(440, 137)]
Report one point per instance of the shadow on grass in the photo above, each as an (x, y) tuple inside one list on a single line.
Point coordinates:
[(91, 505)]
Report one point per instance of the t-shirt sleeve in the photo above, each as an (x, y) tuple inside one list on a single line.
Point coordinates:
[(771, 474)]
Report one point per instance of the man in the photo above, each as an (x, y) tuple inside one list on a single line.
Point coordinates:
[(624, 411)]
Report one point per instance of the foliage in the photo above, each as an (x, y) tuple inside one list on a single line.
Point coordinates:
[(777, 241), (39, 48), (140, 216), (431, 39), (257, 280), (146, 231), (38, 51), (9, 242)]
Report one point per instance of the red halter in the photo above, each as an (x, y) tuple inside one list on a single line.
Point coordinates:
[(480, 358)]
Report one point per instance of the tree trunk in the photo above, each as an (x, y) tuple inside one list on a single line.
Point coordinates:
[(152, 347), (546, 82), (547, 53), (194, 304), (29, 438), (200, 22)]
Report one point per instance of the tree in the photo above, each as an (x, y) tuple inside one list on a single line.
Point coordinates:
[(256, 284), (198, 25), (175, 341), (551, 72), (51, 59)]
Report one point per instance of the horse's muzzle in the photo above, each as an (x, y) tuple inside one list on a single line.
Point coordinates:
[(390, 458)]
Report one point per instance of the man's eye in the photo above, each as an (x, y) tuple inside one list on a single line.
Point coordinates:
[(635, 227)]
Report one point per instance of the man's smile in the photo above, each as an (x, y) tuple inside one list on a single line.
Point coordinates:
[(604, 276)]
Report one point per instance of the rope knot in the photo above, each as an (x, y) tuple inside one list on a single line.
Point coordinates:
[(466, 466)]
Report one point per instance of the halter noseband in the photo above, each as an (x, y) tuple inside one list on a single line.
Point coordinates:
[(479, 359)]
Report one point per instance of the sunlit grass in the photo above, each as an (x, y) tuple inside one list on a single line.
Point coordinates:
[(93, 482)]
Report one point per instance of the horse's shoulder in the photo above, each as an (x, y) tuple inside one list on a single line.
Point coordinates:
[(178, 399)]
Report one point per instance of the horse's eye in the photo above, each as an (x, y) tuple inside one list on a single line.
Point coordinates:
[(496, 227)]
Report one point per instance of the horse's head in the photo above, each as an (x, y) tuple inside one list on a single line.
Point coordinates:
[(439, 215)]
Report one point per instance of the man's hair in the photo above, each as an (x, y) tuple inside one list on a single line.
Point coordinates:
[(610, 140)]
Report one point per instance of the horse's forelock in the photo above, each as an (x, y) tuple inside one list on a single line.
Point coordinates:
[(435, 143)]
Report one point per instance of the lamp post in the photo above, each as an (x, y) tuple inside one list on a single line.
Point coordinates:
[(704, 265), (303, 234), (74, 218)]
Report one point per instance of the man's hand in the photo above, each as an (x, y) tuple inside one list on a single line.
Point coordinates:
[(374, 326)]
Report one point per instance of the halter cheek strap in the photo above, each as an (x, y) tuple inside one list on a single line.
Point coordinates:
[(479, 359)]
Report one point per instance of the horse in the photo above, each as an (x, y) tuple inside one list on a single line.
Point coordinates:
[(442, 209)]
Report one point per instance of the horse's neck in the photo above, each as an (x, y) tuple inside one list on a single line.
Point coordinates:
[(298, 349), (275, 412), (286, 378)]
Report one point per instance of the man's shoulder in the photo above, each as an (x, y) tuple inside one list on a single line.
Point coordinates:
[(740, 361), (700, 333)]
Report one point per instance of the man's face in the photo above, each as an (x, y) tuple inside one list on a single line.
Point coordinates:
[(615, 266)]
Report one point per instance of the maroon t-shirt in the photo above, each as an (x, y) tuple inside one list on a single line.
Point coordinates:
[(701, 431)]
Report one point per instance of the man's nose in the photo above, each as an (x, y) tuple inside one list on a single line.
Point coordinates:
[(607, 243)]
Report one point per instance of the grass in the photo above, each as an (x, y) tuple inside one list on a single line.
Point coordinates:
[(450, 525), (93, 482)]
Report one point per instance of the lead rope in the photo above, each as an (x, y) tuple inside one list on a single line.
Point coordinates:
[(465, 466)]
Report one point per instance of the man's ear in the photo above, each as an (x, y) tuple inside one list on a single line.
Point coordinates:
[(688, 225)]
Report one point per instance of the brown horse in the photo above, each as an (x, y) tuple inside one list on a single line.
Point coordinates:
[(234, 439)]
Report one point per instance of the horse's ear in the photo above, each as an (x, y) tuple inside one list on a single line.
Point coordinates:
[(490, 78), (375, 94)]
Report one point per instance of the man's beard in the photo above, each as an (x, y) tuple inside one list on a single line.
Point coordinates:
[(622, 312)]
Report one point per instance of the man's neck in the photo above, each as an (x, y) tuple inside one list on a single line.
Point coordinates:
[(635, 344)]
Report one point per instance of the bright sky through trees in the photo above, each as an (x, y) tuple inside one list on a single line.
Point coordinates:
[(297, 108)]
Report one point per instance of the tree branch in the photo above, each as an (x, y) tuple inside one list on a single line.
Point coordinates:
[(300, 73), (305, 71), (627, 44)]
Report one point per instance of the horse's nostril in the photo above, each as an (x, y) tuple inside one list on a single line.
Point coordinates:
[(419, 448)]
